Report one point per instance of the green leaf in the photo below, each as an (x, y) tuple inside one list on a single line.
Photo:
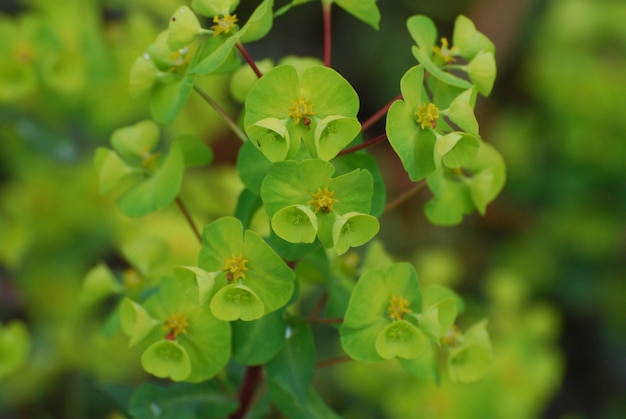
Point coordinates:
[(136, 322), (256, 342), (210, 8), (244, 78), (132, 142), (143, 76), (423, 31), (440, 311), (295, 224), (166, 359), (168, 98), (333, 133), (400, 339), (471, 360), (183, 28), (270, 135), (98, 284), (367, 313), (461, 112), (252, 166), (488, 170), (293, 366), (423, 366), (159, 190), (205, 281), (180, 401), (195, 152), (234, 302), (482, 72), (215, 54), (468, 40), (259, 24), (15, 344), (365, 10), (456, 149), (437, 72), (314, 407), (113, 171), (247, 205), (353, 229), (145, 254)]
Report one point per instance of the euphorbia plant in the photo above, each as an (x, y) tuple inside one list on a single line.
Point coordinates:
[(305, 165)]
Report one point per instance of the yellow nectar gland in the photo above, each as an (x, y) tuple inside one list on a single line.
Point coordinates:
[(427, 115), (223, 24), (236, 267), (398, 307), (323, 200), (175, 324), (445, 53), (301, 110), (452, 337)]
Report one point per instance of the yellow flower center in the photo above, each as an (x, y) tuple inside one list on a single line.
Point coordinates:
[(175, 324), (236, 267), (398, 307), (323, 200), (427, 115), (445, 53), (452, 337), (301, 110), (223, 24)]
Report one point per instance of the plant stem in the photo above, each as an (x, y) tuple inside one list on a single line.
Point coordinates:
[(246, 392), (334, 361), (366, 144), (249, 59), (334, 320), (231, 124), (406, 195), (326, 9), (372, 119), (318, 307), (187, 216)]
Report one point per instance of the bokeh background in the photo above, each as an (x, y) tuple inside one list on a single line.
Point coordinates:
[(546, 264)]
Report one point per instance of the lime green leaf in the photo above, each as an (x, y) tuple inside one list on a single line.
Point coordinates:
[(423, 366), (488, 178), (437, 72), (113, 171), (400, 339), (195, 152), (15, 345), (134, 141), (158, 191), (333, 133), (143, 75), (438, 318), (166, 359), (99, 283), (456, 149), (468, 40), (451, 199), (168, 98), (259, 24), (293, 366), (247, 205), (367, 314), (215, 55), (313, 407), (270, 135), (461, 112), (291, 251), (204, 280), (234, 302), (256, 342), (423, 31), (244, 78), (145, 254), (296, 224), (180, 401), (210, 8), (252, 166), (353, 229), (482, 72), (471, 360), (364, 10), (288, 6), (136, 322), (350, 162), (183, 28)]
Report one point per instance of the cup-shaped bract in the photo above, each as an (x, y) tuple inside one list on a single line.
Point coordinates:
[(440, 311), (180, 338), (472, 357), (251, 278), (379, 322), (317, 106), (303, 200), (469, 40), (482, 72), (210, 8), (183, 28)]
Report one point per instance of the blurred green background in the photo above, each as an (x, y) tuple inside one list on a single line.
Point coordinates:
[(546, 264)]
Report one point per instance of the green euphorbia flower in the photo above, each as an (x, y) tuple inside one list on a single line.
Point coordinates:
[(250, 279), (181, 339), (420, 135), (469, 355), (317, 106), (380, 322), (469, 44), (304, 201)]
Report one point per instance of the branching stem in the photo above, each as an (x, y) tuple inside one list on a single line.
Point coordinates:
[(187, 216), (227, 119), (404, 196), (246, 392), (382, 112), (363, 145), (334, 361), (249, 59), (326, 9)]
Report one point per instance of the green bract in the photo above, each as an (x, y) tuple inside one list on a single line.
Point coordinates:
[(181, 339), (183, 29), (318, 107), (14, 347), (304, 201), (421, 136), (250, 278), (151, 180), (370, 332), (212, 8), (471, 357)]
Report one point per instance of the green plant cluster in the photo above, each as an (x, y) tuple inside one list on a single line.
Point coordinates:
[(304, 166)]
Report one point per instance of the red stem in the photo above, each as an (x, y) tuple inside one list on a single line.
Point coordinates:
[(249, 59), (378, 114), (250, 382), (326, 6), (366, 144)]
